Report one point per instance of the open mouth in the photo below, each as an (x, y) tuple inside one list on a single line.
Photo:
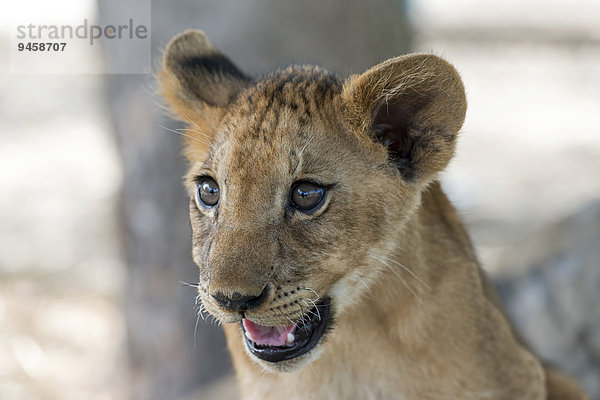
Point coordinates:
[(280, 343)]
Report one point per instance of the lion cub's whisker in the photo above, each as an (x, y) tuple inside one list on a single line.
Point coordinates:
[(299, 164), (193, 130), (192, 121), (188, 284), (310, 312), (285, 316), (312, 290), (183, 134), (196, 329), (399, 277), (316, 308), (406, 269), (305, 314), (361, 280), (300, 317)]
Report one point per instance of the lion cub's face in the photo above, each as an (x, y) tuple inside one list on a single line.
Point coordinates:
[(298, 181)]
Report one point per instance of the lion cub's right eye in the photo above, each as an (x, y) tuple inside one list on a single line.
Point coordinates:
[(307, 196), (208, 192)]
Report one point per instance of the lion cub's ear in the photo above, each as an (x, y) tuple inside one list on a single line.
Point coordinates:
[(414, 105), (197, 81)]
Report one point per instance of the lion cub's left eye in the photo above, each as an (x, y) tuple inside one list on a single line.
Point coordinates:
[(208, 192), (307, 196)]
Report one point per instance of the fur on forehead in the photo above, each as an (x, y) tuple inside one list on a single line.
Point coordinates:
[(202, 87), (284, 108), (411, 105)]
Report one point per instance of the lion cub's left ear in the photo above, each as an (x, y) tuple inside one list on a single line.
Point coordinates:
[(414, 105), (198, 82)]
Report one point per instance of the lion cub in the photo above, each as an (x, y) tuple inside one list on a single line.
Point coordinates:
[(324, 242)]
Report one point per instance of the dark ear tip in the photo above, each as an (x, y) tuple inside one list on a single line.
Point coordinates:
[(191, 42)]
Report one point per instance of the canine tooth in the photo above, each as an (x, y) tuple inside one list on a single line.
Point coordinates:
[(248, 335), (289, 339)]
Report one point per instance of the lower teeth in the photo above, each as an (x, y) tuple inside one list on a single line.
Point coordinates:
[(289, 339)]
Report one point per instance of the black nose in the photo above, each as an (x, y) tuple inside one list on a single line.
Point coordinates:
[(239, 302)]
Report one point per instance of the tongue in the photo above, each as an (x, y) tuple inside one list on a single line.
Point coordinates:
[(267, 335)]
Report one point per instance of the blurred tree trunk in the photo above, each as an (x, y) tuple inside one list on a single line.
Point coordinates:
[(346, 36)]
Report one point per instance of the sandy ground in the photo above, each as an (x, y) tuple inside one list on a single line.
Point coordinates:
[(528, 155)]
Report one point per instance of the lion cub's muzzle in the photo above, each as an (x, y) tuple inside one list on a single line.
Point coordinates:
[(276, 325)]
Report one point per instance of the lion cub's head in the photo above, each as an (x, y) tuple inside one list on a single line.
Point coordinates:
[(298, 180)]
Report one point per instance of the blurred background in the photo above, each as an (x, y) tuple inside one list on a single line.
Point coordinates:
[(94, 238)]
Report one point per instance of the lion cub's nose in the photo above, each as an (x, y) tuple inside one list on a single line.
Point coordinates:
[(239, 302)]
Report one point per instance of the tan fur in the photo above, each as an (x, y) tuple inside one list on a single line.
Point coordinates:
[(414, 315)]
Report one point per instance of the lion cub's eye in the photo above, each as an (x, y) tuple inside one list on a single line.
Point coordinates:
[(208, 192), (306, 196)]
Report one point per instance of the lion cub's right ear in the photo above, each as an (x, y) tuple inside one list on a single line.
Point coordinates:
[(414, 105), (197, 81)]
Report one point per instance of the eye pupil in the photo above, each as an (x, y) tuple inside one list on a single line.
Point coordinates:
[(306, 196), (208, 192)]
